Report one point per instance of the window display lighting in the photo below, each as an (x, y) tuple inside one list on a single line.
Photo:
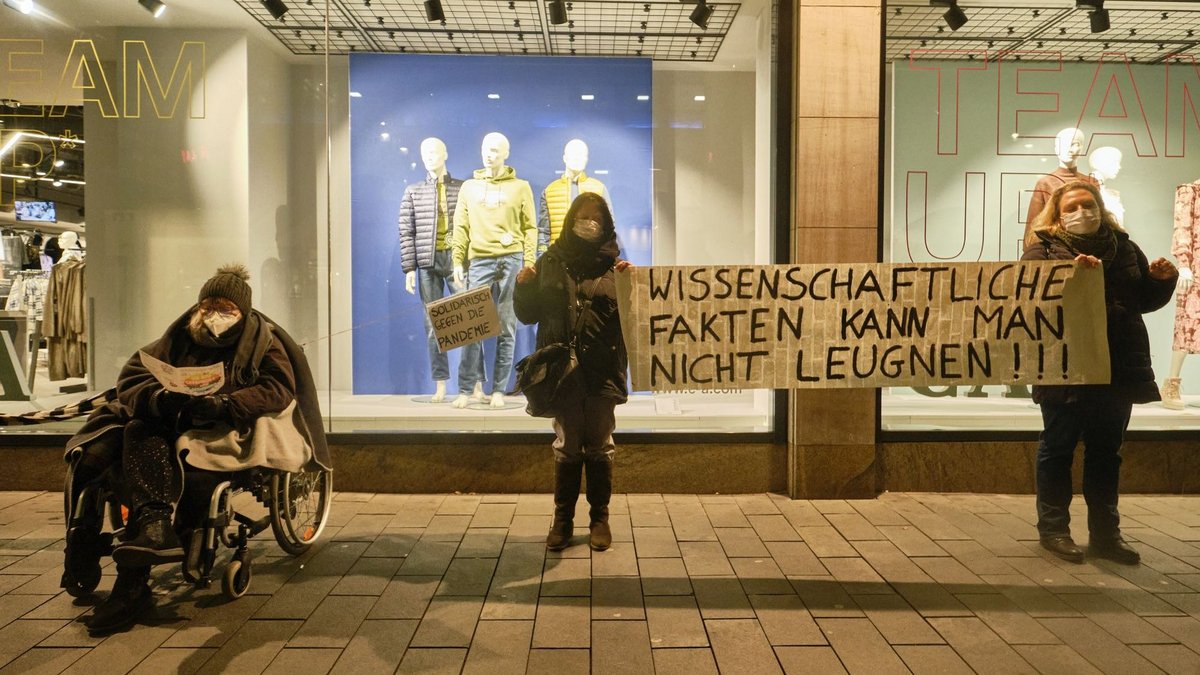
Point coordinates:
[(277, 8), (701, 15), (155, 7), (434, 11), (22, 6), (558, 11), (1098, 16), (955, 17)]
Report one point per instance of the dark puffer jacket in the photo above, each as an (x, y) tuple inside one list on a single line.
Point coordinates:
[(418, 221), (1129, 292), (551, 300)]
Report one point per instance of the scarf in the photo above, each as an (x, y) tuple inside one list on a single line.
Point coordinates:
[(584, 259), (1102, 243), (252, 341)]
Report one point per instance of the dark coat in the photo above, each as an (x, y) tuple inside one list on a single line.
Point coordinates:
[(551, 299), (1129, 292), (418, 221), (281, 375)]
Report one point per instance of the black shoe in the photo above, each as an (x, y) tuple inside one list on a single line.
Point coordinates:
[(1063, 547), (1116, 550), (129, 601), (560, 534), (156, 542)]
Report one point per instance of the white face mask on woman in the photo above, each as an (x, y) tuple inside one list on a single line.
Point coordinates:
[(589, 230), (218, 324), (1082, 221)]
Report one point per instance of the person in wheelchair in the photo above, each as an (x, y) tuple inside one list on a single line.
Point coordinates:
[(143, 439)]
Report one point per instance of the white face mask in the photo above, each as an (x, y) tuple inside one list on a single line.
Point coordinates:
[(1083, 221), (218, 324), (589, 230)]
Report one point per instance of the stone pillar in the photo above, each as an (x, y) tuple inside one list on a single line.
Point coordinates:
[(835, 202)]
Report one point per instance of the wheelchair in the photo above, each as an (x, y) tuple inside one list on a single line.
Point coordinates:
[(297, 510)]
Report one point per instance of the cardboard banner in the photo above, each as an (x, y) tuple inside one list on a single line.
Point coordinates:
[(863, 325), (190, 380), (464, 318)]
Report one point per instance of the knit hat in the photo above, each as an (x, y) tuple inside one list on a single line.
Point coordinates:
[(229, 282)]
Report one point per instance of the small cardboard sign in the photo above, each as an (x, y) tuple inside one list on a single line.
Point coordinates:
[(191, 380), (464, 318)]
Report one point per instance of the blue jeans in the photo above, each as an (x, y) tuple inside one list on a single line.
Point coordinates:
[(1100, 421), (435, 283), (501, 274)]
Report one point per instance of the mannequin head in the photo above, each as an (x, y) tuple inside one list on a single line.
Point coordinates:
[(68, 240), (494, 151), (1105, 163), (433, 154), (1068, 146), (575, 156)]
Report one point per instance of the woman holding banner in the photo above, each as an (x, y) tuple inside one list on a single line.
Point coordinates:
[(1075, 225), (571, 293)]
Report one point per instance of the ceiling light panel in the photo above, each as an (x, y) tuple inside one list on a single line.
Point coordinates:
[(957, 50), (312, 41), (300, 14), (662, 48), (1136, 25), (451, 42), (1094, 50), (985, 22), (606, 17)]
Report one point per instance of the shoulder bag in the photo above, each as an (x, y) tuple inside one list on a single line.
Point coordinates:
[(550, 376)]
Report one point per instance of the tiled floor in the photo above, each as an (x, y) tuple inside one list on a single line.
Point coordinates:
[(695, 584)]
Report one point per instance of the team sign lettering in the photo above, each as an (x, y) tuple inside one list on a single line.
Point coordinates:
[(464, 318), (864, 325)]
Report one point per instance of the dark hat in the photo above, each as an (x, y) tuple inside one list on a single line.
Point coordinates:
[(229, 282)]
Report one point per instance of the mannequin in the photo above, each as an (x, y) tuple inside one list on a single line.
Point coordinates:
[(69, 241), (1106, 164), (495, 232), (1068, 146), (1185, 246), (558, 196), (426, 213)]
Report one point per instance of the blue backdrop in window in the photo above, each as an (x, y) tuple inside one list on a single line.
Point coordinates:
[(538, 103)]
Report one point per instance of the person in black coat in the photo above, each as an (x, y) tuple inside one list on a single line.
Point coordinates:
[(576, 275), (1074, 225)]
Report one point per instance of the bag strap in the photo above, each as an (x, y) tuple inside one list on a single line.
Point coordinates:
[(580, 312)]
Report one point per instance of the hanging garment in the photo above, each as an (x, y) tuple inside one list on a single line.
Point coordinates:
[(494, 217), (1185, 246), (556, 201), (64, 321), (1046, 186), (426, 213)]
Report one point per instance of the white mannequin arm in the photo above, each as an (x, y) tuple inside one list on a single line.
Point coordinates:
[(410, 282), (1186, 279), (460, 276)]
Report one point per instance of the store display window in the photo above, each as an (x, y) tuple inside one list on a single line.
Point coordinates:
[(989, 114), (363, 164)]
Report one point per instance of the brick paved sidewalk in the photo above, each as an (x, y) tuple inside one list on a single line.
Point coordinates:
[(694, 583)]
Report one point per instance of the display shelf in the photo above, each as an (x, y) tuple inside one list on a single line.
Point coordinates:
[(913, 412)]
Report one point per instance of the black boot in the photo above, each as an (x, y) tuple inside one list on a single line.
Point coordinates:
[(129, 600), (155, 479), (1115, 549), (567, 477), (599, 492)]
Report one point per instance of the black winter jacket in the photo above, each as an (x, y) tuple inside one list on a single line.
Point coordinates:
[(1129, 292), (551, 300), (418, 221)]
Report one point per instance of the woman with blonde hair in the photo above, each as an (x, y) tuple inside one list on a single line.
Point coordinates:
[(1074, 225)]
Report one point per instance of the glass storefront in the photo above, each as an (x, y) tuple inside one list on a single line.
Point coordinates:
[(140, 149), (984, 115)]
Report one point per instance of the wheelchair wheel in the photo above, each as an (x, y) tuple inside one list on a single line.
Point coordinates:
[(299, 507), (236, 579)]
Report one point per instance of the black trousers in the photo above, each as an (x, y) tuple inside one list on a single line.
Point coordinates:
[(1100, 421)]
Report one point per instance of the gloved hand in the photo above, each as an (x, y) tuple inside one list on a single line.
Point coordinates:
[(168, 404), (410, 282), (211, 408)]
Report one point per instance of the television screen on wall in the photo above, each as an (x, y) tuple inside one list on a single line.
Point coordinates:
[(42, 212)]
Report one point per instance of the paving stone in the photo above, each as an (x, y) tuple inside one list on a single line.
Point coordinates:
[(1116, 620), (429, 557), (1187, 602), (1171, 658), (825, 597), (982, 649), (487, 543), (405, 598), (684, 662), (303, 662), (539, 504), (795, 559), (802, 513), (826, 542), (1056, 659), (1184, 629), (664, 576), (705, 559), (809, 661), (1050, 576), (432, 661), (562, 622), (558, 661), (377, 647), (655, 542), (1007, 620), (621, 647), (922, 659), (216, 620), (785, 621), (828, 506), (617, 598), (616, 561), (911, 540), (298, 598), (47, 660), (773, 528), (741, 542), (468, 576), (493, 515), (252, 648), (860, 647), (448, 622), (333, 623), (691, 524), (878, 512), (531, 529), (456, 504), (725, 515), (362, 527), (1129, 596), (1029, 596), (447, 528), (740, 646), (72, 634), (567, 577), (857, 576), (649, 514), (675, 622), (722, 598), (976, 558), (499, 647), (13, 607), (1098, 647), (121, 652), (853, 527), (896, 620), (10, 581), (369, 576), (512, 598)]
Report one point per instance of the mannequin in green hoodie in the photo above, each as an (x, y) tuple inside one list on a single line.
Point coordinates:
[(495, 236)]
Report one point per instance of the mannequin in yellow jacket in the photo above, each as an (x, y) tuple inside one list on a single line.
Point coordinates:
[(559, 195), (495, 236)]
